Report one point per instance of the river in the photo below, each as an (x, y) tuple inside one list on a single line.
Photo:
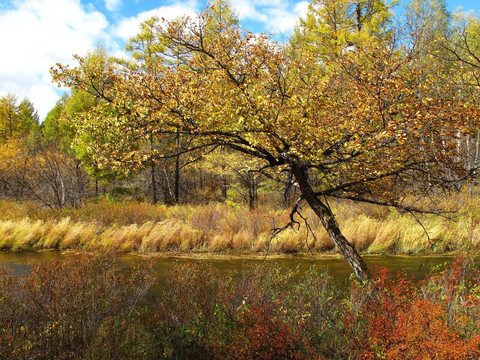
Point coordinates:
[(414, 265)]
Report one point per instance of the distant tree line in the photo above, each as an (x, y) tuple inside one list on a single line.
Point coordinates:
[(39, 162)]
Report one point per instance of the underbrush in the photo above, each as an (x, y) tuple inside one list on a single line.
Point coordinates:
[(145, 228), (63, 310), (94, 307)]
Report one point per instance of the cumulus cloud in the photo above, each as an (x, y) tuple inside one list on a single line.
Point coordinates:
[(277, 16), (44, 96), (36, 34), (113, 5), (247, 10), (129, 27), (283, 20)]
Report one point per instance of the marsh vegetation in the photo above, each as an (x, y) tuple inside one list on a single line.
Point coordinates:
[(96, 307)]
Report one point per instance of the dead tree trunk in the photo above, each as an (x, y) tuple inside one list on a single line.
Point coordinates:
[(330, 224)]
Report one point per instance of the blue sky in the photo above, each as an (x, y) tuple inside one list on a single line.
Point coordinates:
[(37, 34), (464, 4)]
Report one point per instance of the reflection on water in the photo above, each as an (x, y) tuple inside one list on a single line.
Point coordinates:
[(417, 266)]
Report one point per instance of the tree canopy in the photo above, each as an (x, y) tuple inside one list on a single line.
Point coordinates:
[(344, 107)]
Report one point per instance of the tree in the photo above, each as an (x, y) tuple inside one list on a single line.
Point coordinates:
[(78, 103), (331, 27), (17, 120), (456, 52), (55, 129), (150, 53), (429, 21), (29, 119), (354, 130), (8, 116), (19, 127), (236, 172)]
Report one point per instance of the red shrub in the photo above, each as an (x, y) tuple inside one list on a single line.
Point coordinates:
[(261, 335), (396, 321)]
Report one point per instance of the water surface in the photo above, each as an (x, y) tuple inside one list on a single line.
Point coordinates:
[(337, 267)]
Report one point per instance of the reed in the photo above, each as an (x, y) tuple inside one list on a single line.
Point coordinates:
[(146, 228)]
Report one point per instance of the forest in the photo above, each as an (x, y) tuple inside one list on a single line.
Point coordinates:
[(357, 135)]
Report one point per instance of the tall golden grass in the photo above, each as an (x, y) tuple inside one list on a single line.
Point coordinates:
[(146, 228)]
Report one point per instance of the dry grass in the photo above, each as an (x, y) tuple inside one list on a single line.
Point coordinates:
[(146, 228)]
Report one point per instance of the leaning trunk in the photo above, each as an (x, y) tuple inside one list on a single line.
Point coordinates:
[(330, 224)]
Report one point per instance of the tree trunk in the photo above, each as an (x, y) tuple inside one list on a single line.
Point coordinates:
[(154, 184), (177, 179), (177, 168), (251, 183), (330, 224), (152, 174), (477, 149), (358, 11), (167, 192), (224, 183), (62, 188), (80, 183)]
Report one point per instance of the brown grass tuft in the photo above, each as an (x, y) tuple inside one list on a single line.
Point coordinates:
[(145, 228)]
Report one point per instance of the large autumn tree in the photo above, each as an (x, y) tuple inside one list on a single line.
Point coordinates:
[(355, 123)]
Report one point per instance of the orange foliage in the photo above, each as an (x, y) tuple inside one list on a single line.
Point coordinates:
[(401, 324)]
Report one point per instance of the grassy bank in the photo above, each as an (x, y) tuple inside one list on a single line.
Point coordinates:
[(146, 228), (91, 308)]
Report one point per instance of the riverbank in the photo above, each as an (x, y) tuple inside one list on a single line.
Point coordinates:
[(218, 228)]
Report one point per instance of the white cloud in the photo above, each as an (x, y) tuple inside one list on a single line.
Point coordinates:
[(129, 27), (44, 96), (283, 20), (301, 8), (113, 5), (270, 3), (277, 16), (36, 34), (247, 10)]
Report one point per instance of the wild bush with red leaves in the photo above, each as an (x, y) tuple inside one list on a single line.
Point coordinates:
[(397, 318), (263, 334), (89, 308)]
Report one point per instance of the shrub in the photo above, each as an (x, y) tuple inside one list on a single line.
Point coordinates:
[(95, 307), (56, 310), (395, 318), (257, 312)]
